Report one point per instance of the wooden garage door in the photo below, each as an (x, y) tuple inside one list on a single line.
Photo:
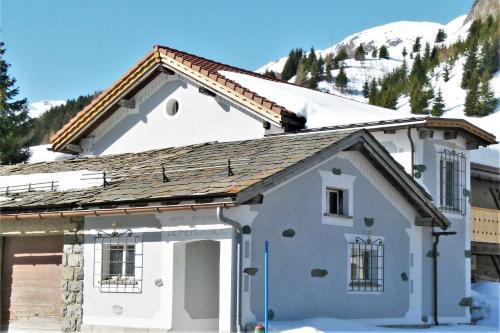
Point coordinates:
[(31, 281)]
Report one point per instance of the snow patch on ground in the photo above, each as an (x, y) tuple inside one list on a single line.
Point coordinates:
[(485, 296), (38, 108), (42, 154)]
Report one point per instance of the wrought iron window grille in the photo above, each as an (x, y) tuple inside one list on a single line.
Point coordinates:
[(118, 262), (452, 174), (366, 265)]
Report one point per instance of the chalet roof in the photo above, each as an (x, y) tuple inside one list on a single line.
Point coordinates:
[(201, 171), (277, 102), (204, 71)]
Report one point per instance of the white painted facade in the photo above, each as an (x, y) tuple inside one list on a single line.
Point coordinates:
[(199, 118)]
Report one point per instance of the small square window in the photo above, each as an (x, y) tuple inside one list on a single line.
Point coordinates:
[(118, 263), (335, 201)]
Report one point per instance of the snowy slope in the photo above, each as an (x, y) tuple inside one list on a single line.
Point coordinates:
[(38, 108), (395, 36)]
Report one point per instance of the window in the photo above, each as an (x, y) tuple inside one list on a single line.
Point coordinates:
[(452, 184), (366, 271), (118, 263), (335, 201)]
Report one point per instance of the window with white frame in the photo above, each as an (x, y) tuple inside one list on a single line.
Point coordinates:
[(118, 263), (336, 202), (366, 265), (452, 181)]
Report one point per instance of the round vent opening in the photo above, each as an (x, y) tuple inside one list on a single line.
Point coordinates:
[(172, 107)]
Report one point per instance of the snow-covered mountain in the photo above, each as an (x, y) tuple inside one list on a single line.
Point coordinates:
[(396, 36), (38, 108)]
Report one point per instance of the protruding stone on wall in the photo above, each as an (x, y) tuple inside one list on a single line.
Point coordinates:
[(289, 233), (317, 272), (250, 271), (72, 282), (246, 229)]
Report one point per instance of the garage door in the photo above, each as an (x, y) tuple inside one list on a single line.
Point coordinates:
[(31, 281)]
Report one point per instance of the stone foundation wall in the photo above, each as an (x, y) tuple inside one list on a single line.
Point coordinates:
[(72, 282)]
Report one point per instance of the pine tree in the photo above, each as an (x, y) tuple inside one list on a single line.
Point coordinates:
[(359, 54), (404, 53), (416, 45), (328, 67), (372, 96), (440, 36), (366, 89), (470, 66), (471, 105), (383, 52), (487, 100), (311, 59), (341, 80), (374, 53), (301, 77), (339, 57), (270, 74), (489, 57), (14, 118), (438, 106), (291, 64), (427, 52), (417, 74)]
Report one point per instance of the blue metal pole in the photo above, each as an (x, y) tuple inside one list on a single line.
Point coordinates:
[(266, 286)]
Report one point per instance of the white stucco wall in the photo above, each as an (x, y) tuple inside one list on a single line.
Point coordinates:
[(200, 118), (152, 308)]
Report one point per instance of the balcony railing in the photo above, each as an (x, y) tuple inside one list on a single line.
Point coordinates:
[(485, 225)]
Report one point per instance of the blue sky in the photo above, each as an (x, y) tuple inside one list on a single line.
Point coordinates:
[(60, 49)]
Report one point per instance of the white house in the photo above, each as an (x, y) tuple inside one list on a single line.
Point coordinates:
[(164, 228)]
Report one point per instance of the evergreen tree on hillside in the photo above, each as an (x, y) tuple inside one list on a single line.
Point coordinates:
[(311, 59), (291, 64), (14, 118), (471, 105), (339, 57), (270, 74), (438, 106), (372, 96), (55, 118), (359, 54), (470, 66), (341, 80), (374, 53), (301, 76), (440, 36), (366, 89), (487, 100), (417, 81), (427, 53), (383, 52), (489, 57), (404, 53), (416, 45), (328, 67)]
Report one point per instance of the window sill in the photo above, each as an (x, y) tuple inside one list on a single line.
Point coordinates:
[(347, 217), (338, 220)]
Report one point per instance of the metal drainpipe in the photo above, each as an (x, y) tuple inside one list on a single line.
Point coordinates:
[(412, 145), (238, 238), (434, 270)]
